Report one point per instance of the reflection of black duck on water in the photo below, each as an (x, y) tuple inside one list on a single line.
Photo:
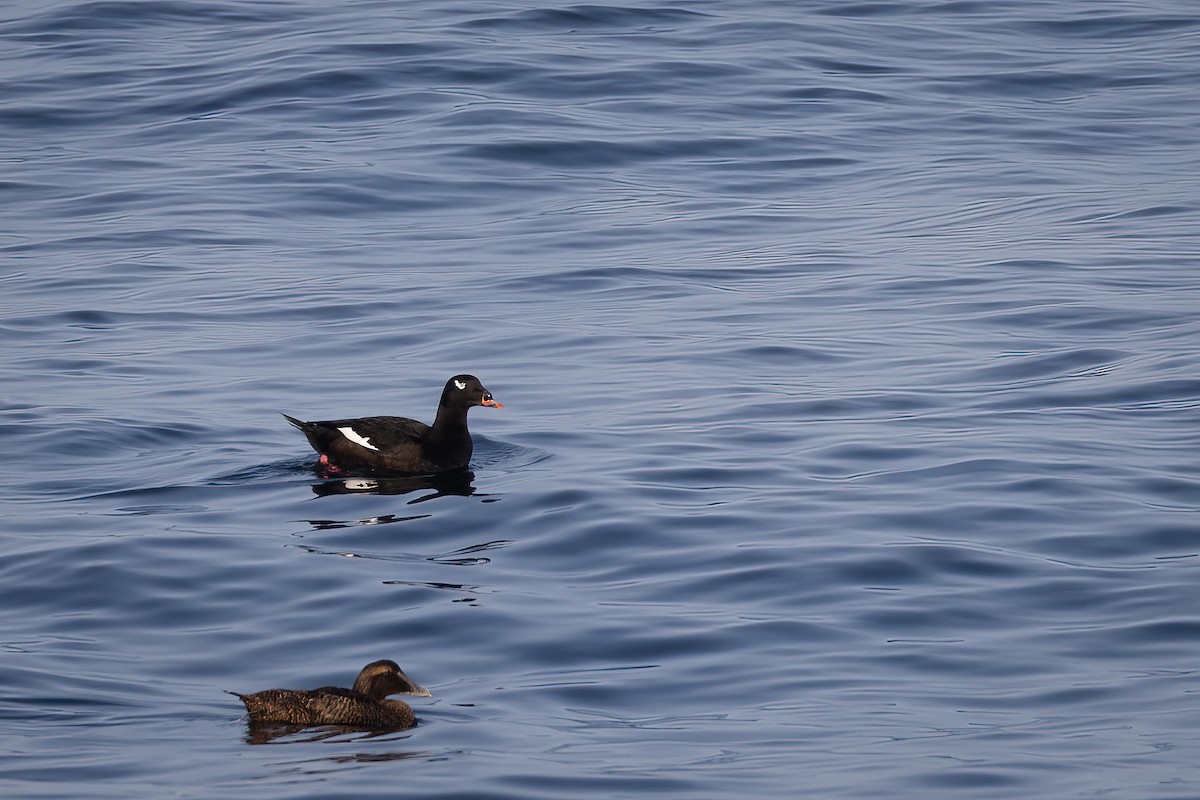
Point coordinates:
[(459, 482), (365, 706)]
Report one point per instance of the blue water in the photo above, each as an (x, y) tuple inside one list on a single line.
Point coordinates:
[(850, 355)]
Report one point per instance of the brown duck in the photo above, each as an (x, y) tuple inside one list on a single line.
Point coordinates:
[(399, 444), (365, 706)]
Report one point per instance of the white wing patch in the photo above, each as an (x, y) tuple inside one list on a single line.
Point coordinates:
[(350, 434), (460, 384)]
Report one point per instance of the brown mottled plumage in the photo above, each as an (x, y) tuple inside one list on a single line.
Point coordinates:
[(399, 444), (364, 706)]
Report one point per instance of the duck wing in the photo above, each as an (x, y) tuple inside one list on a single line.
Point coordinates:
[(381, 434), (280, 705), (346, 707)]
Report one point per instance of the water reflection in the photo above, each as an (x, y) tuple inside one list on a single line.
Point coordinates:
[(457, 483), (451, 484), (278, 732), (466, 593), (382, 519), (462, 557)]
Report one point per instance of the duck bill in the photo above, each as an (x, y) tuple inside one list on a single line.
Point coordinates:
[(491, 404), (415, 689)]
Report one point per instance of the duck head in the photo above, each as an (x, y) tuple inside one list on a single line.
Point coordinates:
[(464, 391), (382, 678)]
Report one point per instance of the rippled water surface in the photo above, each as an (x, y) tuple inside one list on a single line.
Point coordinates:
[(849, 355)]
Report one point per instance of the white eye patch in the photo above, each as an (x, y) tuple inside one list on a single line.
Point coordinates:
[(460, 384), (349, 433)]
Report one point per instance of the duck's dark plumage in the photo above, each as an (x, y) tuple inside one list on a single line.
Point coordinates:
[(398, 444), (365, 706)]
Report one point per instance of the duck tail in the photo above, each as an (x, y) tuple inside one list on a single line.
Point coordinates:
[(297, 423)]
